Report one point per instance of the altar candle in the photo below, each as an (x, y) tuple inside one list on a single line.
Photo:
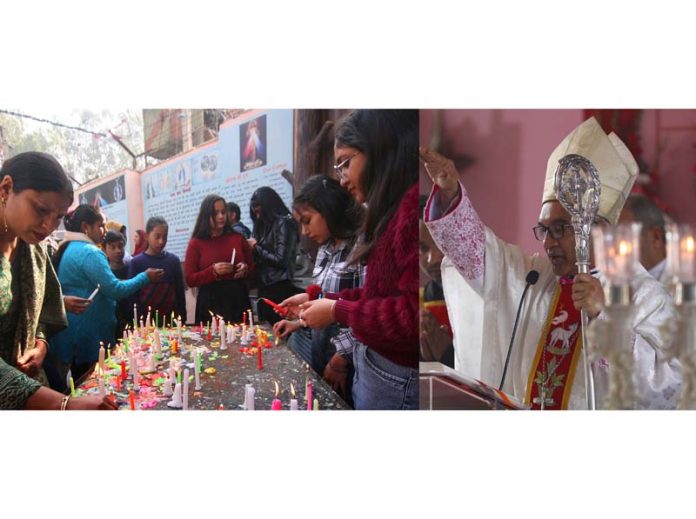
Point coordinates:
[(293, 400), (197, 372), (316, 404), (276, 405), (259, 358), (309, 395), (101, 356), (186, 388), (72, 387), (131, 399)]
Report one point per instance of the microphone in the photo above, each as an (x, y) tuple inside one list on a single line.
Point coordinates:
[(531, 279)]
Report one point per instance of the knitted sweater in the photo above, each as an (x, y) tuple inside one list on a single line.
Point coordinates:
[(384, 313)]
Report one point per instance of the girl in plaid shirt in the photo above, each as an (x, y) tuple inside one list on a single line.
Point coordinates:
[(329, 216)]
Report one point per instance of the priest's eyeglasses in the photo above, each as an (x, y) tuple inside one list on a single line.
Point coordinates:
[(556, 230), (340, 168)]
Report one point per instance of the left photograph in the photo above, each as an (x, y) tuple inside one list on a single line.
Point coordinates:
[(209, 259)]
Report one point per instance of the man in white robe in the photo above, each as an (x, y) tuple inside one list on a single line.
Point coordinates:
[(542, 373)]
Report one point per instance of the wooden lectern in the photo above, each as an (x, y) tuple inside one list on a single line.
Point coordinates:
[(442, 388)]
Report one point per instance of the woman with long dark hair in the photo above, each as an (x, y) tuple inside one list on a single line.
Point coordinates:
[(35, 193), (376, 154), (82, 266), (274, 242), (222, 285)]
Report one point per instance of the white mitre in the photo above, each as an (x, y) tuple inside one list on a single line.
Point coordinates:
[(616, 166)]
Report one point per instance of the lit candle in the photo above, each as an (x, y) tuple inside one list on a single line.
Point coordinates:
[(101, 356), (108, 353), (251, 319), (309, 395), (244, 317), (186, 389), (167, 390), (293, 400), (276, 405), (135, 316), (157, 318), (197, 372), (72, 387), (686, 258), (148, 322)]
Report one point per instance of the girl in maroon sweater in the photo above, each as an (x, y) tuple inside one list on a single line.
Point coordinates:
[(222, 286), (377, 162)]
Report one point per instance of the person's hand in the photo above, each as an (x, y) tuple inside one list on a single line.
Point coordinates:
[(284, 328), (443, 174), (588, 294), (154, 274), (30, 363), (241, 270), (252, 242), (292, 303), (317, 313), (223, 268), (91, 403), (76, 305), (434, 337), (336, 374)]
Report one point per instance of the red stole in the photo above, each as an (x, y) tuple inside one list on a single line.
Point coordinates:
[(553, 369)]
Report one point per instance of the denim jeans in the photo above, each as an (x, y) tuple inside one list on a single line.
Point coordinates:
[(314, 346), (380, 383)]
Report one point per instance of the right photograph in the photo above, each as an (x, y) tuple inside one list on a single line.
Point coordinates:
[(558, 259)]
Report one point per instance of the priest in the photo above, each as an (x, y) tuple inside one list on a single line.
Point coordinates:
[(545, 366)]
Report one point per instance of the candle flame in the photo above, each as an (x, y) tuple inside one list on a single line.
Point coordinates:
[(624, 248), (277, 389), (689, 244), (292, 390)]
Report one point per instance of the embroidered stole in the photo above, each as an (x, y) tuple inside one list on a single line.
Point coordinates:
[(553, 369)]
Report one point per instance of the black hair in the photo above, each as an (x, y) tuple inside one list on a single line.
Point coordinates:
[(202, 229), (73, 221), (389, 141), (38, 171), (153, 222), (234, 208), (113, 237), (646, 212), (342, 213), (272, 208)]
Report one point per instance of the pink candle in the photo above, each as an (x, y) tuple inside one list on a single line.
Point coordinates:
[(276, 404), (309, 395)]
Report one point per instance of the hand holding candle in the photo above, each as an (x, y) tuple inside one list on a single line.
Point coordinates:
[(280, 310)]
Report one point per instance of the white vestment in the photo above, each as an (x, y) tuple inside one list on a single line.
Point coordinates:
[(497, 271)]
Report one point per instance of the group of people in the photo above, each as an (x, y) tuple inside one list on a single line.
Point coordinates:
[(357, 324)]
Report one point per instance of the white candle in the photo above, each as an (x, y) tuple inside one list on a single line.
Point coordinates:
[(158, 342), (234, 255), (135, 315), (223, 335), (151, 365), (186, 388), (197, 373), (249, 404), (251, 319), (213, 327), (168, 384), (293, 404), (176, 402)]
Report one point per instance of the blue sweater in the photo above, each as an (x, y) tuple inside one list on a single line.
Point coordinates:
[(81, 268)]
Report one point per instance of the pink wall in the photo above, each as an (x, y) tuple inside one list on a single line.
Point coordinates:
[(511, 147)]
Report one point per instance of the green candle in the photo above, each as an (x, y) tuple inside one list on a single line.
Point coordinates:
[(72, 387)]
